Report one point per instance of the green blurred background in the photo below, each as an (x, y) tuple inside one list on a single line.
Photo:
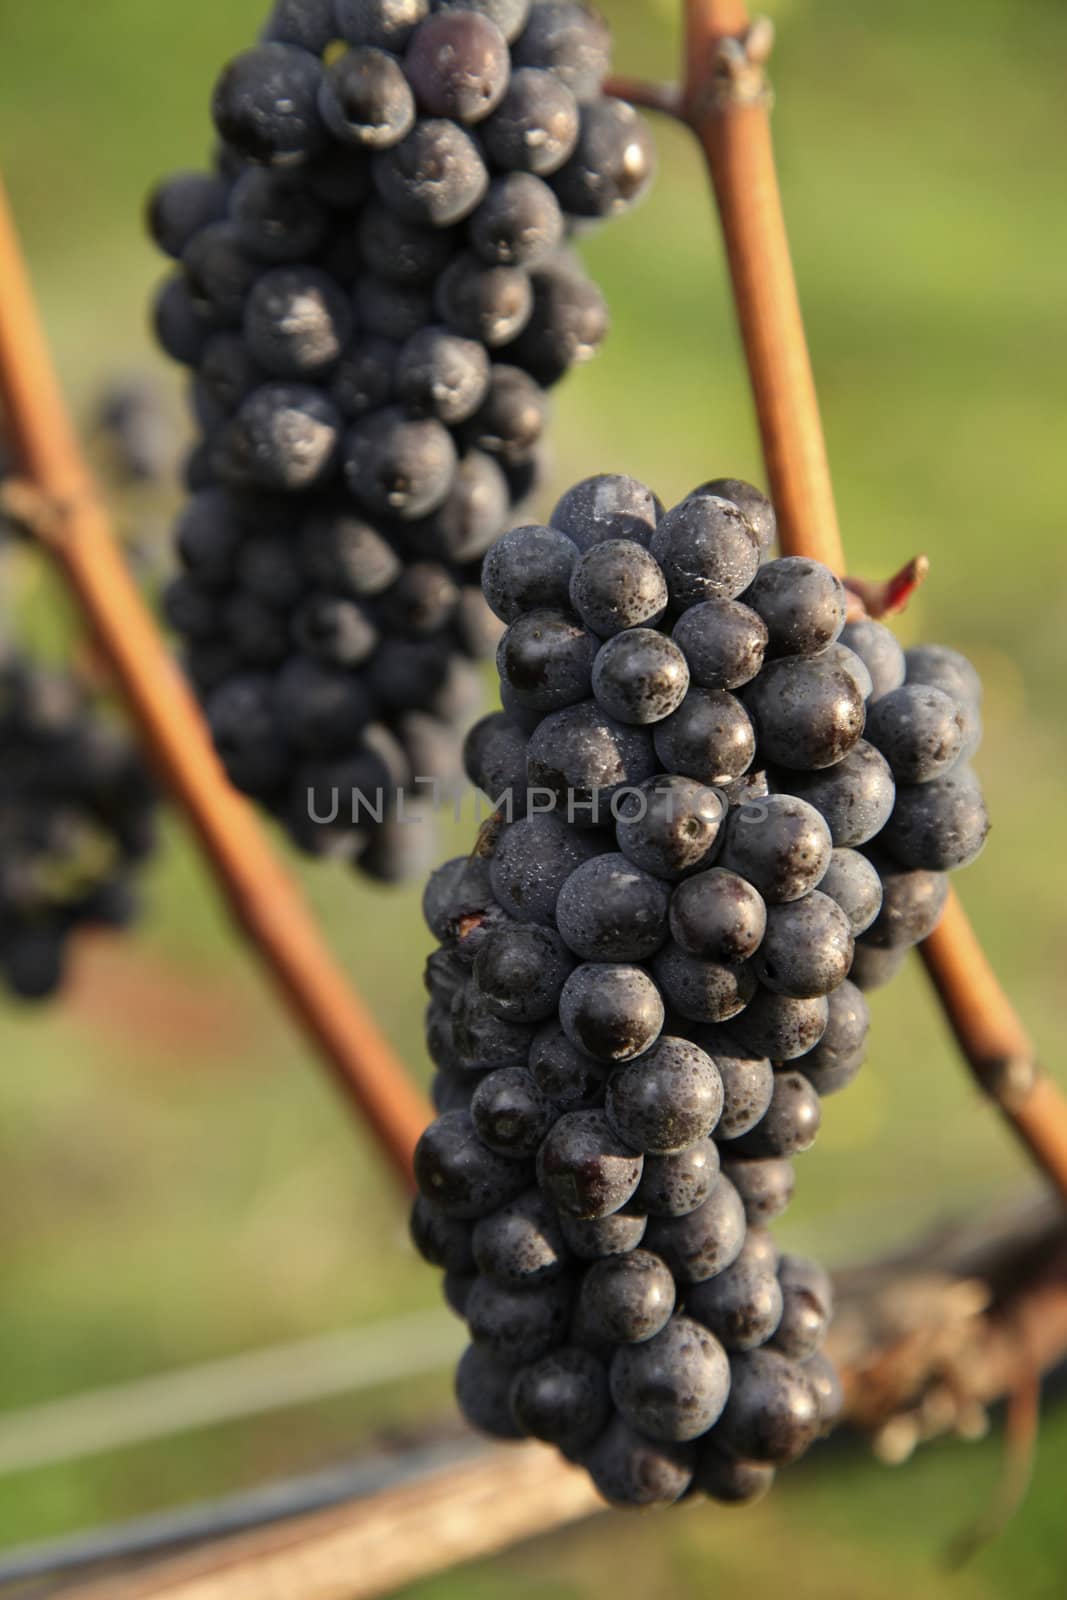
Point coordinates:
[(179, 1180)]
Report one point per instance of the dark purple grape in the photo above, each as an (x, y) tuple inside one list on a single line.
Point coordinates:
[(640, 677), (703, 1242), (853, 882), (565, 1074), (938, 826), (780, 845), (673, 1386), (612, 164), (766, 1186), (748, 499), (529, 569), (839, 1054), (742, 1306), (533, 859), (520, 972), (265, 104), (582, 759), (724, 1478), (365, 100), (632, 1470), (772, 1414), (747, 1081), (609, 910), (612, 1012), (594, 1238), (702, 991), (807, 1307), (617, 585), (807, 710), (535, 127), (709, 737), (802, 603), (723, 641), (880, 653), (546, 659), (670, 825), (522, 1243), (563, 1399), (625, 1299), (807, 948), (668, 1100), (855, 797), (609, 506), (387, 24), (790, 1123), (912, 903), (458, 65), (434, 177), (441, 1240), (707, 549), (718, 916), (510, 1113), (459, 1175), (585, 1169), (675, 1185), (516, 1325), (483, 1391), (919, 730)]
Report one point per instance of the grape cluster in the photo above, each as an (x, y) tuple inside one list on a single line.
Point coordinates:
[(650, 972), (76, 818), (375, 289)]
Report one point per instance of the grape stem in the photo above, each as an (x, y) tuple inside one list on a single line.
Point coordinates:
[(726, 102), (58, 501)]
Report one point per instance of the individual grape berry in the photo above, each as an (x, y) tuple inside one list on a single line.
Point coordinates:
[(434, 177), (483, 1392), (824, 1379), (471, 515), (943, 668), (532, 861), (612, 1012), (365, 100), (750, 501), (807, 710), (802, 603), (484, 1042), (854, 883), (181, 327), (609, 910), (183, 204), (397, 466), (387, 24), (284, 437), (880, 653), (457, 1172), (569, 40), (321, 709), (510, 1113), (625, 1299), (546, 660), (706, 1240), (535, 127), (617, 585), (522, 1243), (938, 826), (529, 569), (709, 737), (807, 948), (807, 1307), (564, 1074), (780, 1026), (457, 1288), (583, 758), (673, 1386), (520, 972), (724, 1478), (723, 641), (567, 325), (441, 1240), (265, 104), (307, 23), (780, 845), (268, 570), (595, 1238), (458, 65), (670, 825), (873, 968), (855, 796), (630, 1470), (333, 630), (492, 304), (244, 725), (741, 1306), (668, 1100), (508, 425), (584, 1168), (563, 1399), (296, 321), (839, 1054), (608, 506), (772, 1414), (518, 223), (640, 677), (718, 916), (674, 1185), (707, 549), (364, 378), (612, 164), (702, 991), (912, 903), (841, 656), (747, 1081), (442, 374), (766, 1186), (919, 730), (219, 273), (510, 16), (791, 1121), (517, 1325)]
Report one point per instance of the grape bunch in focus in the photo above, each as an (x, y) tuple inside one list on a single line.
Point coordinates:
[(77, 817), (374, 290), (719, 815)]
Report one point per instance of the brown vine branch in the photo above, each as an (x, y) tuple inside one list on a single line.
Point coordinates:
[(61, 503), (727, 105), (926, 1343)]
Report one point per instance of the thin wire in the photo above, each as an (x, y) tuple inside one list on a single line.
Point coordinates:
[(254, 1384)]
